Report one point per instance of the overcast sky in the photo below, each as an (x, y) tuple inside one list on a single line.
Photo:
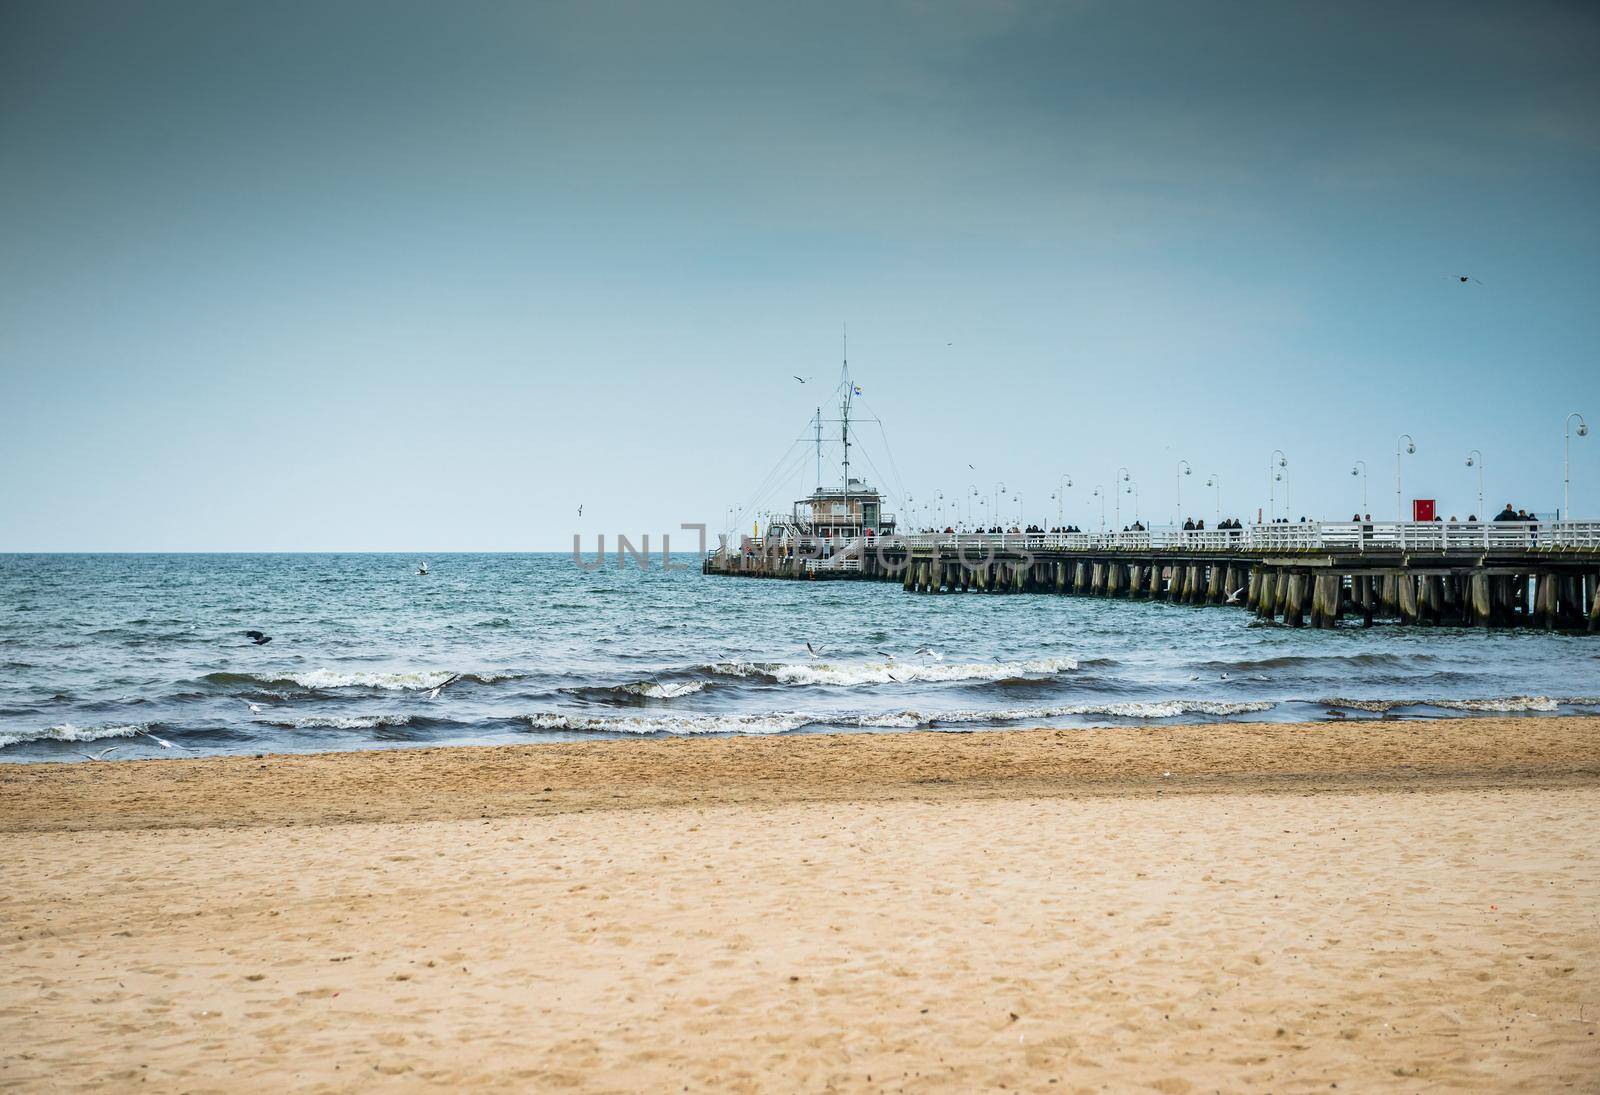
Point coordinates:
[(428, 277)]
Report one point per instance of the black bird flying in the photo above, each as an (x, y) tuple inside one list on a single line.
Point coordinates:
[(258, 638)]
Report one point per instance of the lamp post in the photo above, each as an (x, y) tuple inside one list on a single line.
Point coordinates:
[(1122, 477), (1279, 460), (1100, 493), (1016, 500), (1216, 481), (999, 491), (1061, 485), (1476, 457), (1183, 469), (1410, 447), (1361, 470), (1133, 489), (1566, 458), (973, 489)]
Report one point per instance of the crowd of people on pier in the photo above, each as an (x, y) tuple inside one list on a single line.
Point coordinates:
[(1198, 524)]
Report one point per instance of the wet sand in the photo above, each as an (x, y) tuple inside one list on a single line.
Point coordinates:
[(1382, 906)]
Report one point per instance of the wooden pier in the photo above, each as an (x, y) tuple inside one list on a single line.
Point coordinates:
[(1493, 575)]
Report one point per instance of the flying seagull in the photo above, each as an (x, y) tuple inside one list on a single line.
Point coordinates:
[(422, 568), (433, 693), (972, 468), (163, 742), (101, 755), (258, 638), (813, 651), (801, 379), (1233, 598), (886, 654), (580, 511), (1464, 278)]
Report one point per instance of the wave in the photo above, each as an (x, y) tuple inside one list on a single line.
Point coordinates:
[(671, 724), (866, 673), (322, 679), (1290, 661), (68, 732), (340, 722), (1502, 703), (782, 722)]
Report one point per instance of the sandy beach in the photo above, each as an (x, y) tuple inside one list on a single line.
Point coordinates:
[(1406, 906)]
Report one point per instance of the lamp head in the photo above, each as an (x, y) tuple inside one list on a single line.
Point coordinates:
[(1583, 429), (1411, 446), (1355, 471), (1469, 461)]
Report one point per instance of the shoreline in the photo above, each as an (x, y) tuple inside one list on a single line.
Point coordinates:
[(459, 782)]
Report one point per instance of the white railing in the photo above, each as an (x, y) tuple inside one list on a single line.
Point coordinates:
[(1343, 536)]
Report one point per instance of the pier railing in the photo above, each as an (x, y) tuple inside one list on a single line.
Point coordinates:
[(1339, 536)]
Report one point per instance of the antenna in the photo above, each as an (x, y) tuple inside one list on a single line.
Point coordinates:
[(819, 449), (844, 419)]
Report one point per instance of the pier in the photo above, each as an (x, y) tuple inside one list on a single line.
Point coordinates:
[(1322, 574)]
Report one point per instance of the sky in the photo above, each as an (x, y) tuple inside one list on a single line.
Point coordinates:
[(353, 276)]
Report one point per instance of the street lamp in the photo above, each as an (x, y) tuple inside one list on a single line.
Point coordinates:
[(1100, 493), (1216, 481), (1410, 447), (1566, 454), (999, 490), (1361, 470), (1476, 457), (1061, 485), (973, 488), (1183, 469), (1279, 460), (1122, 477), (1016, 500), (1133, 489)]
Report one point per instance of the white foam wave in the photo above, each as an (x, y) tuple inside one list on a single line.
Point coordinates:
[(777, 723), (68, 732), (1151, 709), (663, 690), (785, 721), (867, 673), (340, 722), (394, 682), (1509, 703), (1502, 703)]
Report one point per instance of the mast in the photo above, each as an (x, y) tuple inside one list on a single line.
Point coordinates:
[(819, 450), (844, 421)]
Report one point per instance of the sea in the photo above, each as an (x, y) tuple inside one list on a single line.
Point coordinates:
[(147, 656)]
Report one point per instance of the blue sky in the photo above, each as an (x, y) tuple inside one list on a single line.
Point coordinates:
[(424, 278)]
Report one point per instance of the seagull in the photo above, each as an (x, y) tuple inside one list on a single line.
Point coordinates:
[(1194, 676), (1223, 677), (258, 638), (580, 511), (163, 742), (801, 379), (813, 651), (101, 755), (970, 466), (422, 568), (1464, 278), (1233, 598), (886, 654), (433, 693), (255, 708)]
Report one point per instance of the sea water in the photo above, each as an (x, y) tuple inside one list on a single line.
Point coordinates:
[(116, 651)]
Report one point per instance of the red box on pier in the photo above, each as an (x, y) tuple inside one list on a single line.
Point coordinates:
[(1422, 509)]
